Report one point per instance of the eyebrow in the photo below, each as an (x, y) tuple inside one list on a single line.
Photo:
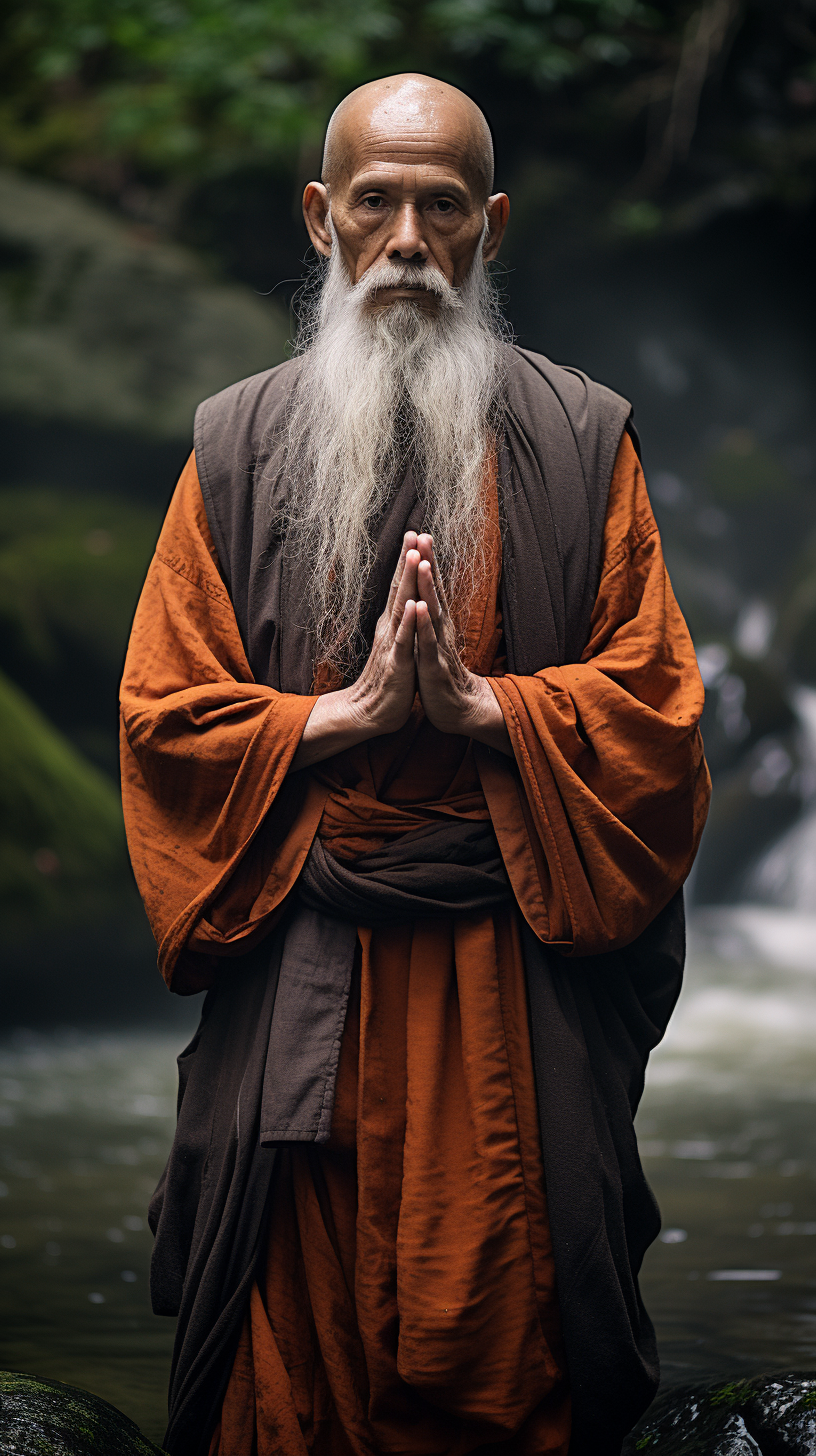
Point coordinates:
[(382, 182)]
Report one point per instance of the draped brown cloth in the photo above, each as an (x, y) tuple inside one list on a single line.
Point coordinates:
[(407, 1298)]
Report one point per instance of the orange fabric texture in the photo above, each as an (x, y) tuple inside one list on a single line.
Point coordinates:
[(205, 752), (408, 1303)]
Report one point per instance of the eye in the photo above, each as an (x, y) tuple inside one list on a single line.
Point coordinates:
[(373, 202), (444, 204)]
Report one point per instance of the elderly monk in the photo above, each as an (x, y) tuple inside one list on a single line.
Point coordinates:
[(412, 778)]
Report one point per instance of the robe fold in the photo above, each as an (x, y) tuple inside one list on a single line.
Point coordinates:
[(456, 1265)]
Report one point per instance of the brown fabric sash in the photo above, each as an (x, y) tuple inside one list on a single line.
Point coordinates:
[(453, 868)]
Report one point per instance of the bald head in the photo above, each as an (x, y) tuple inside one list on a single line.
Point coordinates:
[(407, 172), (408, 110)]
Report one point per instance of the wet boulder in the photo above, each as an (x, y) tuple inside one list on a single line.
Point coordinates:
[(768, 1416), (692, 1422), (52, 1419), (783, 1408)]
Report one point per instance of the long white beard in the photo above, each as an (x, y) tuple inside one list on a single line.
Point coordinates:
[(381, 387)]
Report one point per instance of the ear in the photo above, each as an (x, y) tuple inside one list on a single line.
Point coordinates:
[(497, 212), (316, 216)]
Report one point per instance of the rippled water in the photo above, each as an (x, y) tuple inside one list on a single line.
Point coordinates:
[(728, 1137), (85, 1123), (727, 1131)]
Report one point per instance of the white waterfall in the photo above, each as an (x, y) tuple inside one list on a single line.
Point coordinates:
[(776, 922), (785, 876)]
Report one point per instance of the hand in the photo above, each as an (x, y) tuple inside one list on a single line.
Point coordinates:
[(455, 700), (383, 695)]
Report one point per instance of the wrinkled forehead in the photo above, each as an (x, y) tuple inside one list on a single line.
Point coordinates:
[(412, 125)]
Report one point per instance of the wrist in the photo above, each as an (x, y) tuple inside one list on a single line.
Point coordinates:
[(360, 713), (372, 712), (355, 711), (476, 710), (331, 728), (484, 718)]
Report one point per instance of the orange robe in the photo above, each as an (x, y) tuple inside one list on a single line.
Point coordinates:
[(409, 1301)]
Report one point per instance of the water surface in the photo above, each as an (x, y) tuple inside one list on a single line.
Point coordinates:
[(727, 1133), (728, 1140), (85, 1123)]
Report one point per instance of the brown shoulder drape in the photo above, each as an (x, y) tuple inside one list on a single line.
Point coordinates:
[(613, 782)]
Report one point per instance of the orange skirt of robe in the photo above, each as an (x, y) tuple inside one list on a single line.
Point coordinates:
[(409, 1301)]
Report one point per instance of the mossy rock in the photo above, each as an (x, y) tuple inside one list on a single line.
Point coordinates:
[(47, 1418), (104, 324), (62, 843), (772, 1415)]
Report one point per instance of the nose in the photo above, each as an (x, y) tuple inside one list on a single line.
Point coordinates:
[(406, 243)]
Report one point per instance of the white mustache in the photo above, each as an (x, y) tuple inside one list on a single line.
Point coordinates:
[(408, 275)]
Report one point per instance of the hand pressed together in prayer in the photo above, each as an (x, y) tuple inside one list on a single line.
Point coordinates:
[(455, 700), (414, 649)]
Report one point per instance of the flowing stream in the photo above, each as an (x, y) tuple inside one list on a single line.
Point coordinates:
[(727, 1134), (777, 921), (728, 1140), (727, 1127)]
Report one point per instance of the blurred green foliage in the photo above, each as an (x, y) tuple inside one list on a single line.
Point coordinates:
[(126, 94), (198, 85), (177, 86), (741, 470)]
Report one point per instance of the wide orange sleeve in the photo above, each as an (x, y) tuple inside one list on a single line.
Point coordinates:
[(600, 826), (205, 756)]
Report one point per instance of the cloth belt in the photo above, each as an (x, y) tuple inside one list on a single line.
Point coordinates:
[(448, 868)]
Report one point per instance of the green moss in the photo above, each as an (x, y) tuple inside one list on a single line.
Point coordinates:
[(643, 1442), (71, 566), (62, 843), (733, 1395), (47, 1418)]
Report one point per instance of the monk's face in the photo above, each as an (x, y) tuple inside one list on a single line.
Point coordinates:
[(406, 182)]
